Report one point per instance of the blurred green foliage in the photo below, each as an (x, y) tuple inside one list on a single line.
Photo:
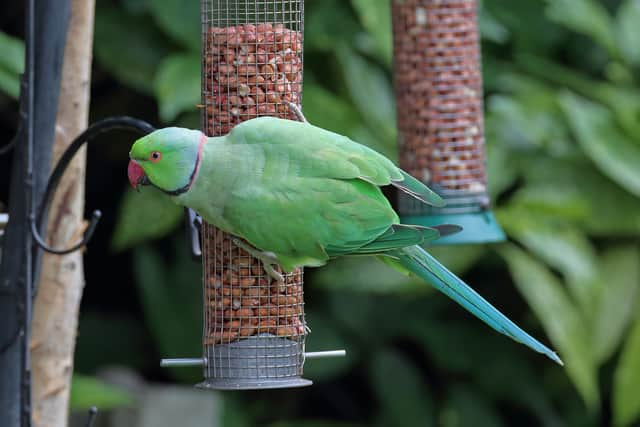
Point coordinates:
[(563, 131)]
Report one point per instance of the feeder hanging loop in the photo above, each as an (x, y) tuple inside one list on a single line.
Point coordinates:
[(97, 128)]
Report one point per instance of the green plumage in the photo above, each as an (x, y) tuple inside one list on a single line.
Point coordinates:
[(299, 191), (307, 195)]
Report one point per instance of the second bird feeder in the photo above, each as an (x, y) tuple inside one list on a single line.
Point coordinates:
[(438, 85)]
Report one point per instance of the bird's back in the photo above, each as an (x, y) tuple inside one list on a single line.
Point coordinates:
[(294, 189)]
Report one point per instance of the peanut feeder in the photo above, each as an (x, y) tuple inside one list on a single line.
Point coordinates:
[(438, 86), (254, 327)]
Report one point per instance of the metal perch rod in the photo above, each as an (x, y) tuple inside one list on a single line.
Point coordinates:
[(202, 361)]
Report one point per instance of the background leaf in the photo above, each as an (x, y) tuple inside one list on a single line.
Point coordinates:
[(177, 85), (88, 391), (585, 16), (171, 295), (570, 252), (375, 16), (626, 400), (628, 31), (606, 146), (144, 215), (618, 302), (370, 91), (128, 47), (11, 64), (560, 319), (391, 371), (171, 16)]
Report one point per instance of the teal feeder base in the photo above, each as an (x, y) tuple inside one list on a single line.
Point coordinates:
[(477, 227)]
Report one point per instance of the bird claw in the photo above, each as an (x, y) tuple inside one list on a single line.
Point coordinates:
[(272, 272), (268, 260), (296, 110)]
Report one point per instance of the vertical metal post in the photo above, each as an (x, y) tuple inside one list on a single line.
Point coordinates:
[(46, 30)]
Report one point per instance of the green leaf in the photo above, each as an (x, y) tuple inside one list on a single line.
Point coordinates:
[(613, 153), (491, 28), (539, 35), (467, 406), (620, 269), (375, 17), (177, 85), (561, 320), (571, 189), (501, 171), (364, 274), (568, 250), (9, 83), (179, 19), (403, 397), (11, 54), (148, 214), (326, 335), (11, 64), (587, 17), (370, 89), (626, 399), (624, 101), (313, 423), (107, 338), (89, 391), (328, 23), (171, 294), (628, 31), (327, 110), (128, 47)]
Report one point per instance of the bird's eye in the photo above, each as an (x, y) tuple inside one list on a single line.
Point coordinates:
[(155, 156)]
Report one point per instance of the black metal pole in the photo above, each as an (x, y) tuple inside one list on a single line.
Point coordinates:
[(46, 31)]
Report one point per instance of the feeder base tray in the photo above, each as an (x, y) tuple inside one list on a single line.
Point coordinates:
[(228, 384), (477, 227)]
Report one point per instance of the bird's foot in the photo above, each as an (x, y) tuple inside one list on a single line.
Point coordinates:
[(296, 110), (272, 272), (268, 259)]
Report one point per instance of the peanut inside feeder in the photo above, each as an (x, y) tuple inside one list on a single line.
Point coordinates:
[(438, 86)]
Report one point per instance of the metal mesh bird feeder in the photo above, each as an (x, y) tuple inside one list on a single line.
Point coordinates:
[(438, 86), (254, 326)]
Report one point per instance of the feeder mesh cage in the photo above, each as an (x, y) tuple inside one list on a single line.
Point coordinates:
[(438, 85), (254, 330)]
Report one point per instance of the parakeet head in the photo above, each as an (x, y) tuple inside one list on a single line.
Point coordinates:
[(168, 159)]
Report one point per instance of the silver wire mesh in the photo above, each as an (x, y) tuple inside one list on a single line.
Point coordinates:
[(438, 86), (252, 60), (254, 327)]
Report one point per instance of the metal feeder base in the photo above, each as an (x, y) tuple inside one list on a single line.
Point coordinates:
[(243, 384), (477, 227), (259, 362)]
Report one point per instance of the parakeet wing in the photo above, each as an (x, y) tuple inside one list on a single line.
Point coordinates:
[(314, 189)]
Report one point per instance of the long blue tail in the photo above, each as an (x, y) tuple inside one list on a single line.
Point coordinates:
[(419, 262)]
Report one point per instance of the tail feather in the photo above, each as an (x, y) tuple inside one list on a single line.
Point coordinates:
[(419, 262)]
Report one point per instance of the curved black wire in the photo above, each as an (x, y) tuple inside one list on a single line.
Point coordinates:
[(95, 129), (6, 148)]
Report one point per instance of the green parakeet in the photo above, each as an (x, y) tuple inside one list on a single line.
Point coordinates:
[(301, 195)]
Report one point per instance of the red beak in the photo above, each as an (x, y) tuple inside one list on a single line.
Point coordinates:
[(136, 174)]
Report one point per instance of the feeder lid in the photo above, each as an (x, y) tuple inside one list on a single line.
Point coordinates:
[(477, 227)]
